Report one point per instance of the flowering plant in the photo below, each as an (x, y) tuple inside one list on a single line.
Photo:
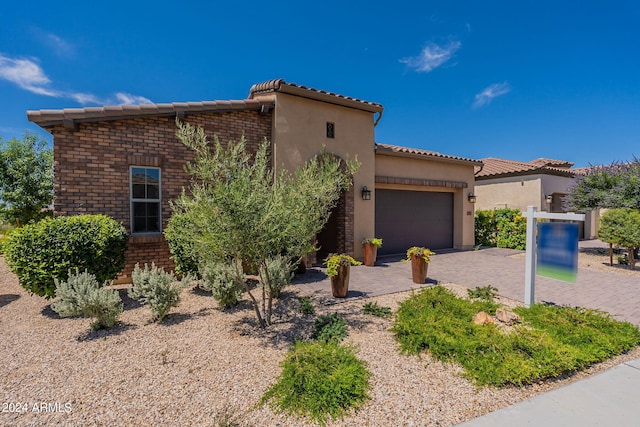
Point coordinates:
[(372, 241), (334, 261), (419, 251)]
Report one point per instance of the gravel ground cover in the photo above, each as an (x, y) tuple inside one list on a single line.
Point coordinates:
[(202, 363)]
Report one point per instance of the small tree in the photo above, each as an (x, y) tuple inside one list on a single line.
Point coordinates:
[(622, 227), (240, 209), (26, 178), (614, 186)]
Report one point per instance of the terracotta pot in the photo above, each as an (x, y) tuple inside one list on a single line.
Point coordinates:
[(340, 283), (418, 269), (370, 254), (302, 266)]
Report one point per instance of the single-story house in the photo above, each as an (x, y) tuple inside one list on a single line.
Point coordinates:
[(543, 183), (126, 162)]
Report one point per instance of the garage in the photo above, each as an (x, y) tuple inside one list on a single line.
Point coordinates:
[(413, 218)]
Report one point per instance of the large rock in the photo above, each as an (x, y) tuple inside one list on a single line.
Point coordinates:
[(483, 318), (507, 317)]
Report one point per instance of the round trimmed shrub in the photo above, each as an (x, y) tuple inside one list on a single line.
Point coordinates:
[(44, 251), (180, 245)]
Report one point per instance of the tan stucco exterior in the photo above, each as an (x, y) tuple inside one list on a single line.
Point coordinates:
[(299, 134), (519, 192), (450, 173)]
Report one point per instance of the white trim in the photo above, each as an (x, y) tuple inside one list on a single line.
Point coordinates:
[(132, 200)]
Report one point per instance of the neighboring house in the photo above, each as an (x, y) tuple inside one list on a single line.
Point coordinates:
[(542, 183), (126, 162)]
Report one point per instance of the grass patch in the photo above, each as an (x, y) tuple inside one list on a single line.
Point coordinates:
[(487, 293), (319, 380), (551, 341), (330, 328), (374, 309)]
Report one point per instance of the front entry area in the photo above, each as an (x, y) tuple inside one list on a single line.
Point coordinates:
[(413, 218)]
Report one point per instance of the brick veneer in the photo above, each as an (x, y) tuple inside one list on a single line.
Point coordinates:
[(92, 163)]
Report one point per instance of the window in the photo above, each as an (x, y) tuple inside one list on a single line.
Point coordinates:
[(145, 200), (331, 130)]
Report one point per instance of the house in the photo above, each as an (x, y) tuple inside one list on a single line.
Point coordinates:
[(126, 162), (542, 183)]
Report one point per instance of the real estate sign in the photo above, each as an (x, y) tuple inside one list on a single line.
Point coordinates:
[(557, 256)]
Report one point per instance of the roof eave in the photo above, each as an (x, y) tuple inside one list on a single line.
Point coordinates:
[(526, 173), (329, 98), (384, 151)]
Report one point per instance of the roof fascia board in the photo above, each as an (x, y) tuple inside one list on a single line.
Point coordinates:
[(429, 157), (328, 98)]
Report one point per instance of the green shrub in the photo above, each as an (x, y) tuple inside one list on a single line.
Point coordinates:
[(82, 294), (5, 237), (376, 310), (305, 306), (221, 280), (550, 341), (504, 228), (330, 328), (47, 250), (157, 288), (280, 273), (487, 293), (319, 380), (181, 245)]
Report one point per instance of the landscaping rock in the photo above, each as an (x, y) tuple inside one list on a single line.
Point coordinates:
[(507, 317), (483, 318)]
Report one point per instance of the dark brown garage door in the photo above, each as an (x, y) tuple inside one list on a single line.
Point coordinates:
[(413, 218)]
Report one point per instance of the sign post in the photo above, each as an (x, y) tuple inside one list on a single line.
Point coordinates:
[(532, 247)]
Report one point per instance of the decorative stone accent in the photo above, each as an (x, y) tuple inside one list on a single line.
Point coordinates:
[(483, 318), (507, 317)]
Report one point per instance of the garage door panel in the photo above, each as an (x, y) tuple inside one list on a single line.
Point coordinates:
[(413, 218)]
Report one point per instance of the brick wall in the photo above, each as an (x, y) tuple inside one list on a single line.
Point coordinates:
[(91, 167)]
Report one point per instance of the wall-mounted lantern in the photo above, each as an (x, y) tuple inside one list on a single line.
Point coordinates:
[(471, 197), (548, 198), (366, 193)]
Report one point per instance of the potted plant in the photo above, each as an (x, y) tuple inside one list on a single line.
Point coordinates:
[(338, 266), (371, 246), (420, 259)]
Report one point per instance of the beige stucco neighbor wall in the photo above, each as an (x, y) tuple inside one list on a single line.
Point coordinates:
[(299, 133), (439, 170), (511, 192)]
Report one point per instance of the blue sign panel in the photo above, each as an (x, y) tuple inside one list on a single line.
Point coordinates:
[(557, 256)]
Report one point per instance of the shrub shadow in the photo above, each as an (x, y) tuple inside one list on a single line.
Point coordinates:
[(47, 311), (290, 325), (128, 303), (8, 299), (119, 328)]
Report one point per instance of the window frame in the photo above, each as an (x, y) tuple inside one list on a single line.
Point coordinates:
[(133, 200)]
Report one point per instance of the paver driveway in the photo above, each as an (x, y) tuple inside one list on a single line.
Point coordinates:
[(616, 294)]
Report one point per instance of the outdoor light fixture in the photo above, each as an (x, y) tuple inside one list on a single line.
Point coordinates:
[(366, 193), (471, 197), (548, 198)]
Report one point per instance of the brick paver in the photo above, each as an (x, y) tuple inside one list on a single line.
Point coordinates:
[(616, 294)]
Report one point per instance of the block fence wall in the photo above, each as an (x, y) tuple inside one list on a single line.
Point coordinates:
[(91, 168)]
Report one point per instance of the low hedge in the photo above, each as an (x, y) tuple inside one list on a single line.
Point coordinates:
[(47, 250)]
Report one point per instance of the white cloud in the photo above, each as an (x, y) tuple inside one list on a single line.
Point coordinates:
[(60, 46), (490, 92), (128, 99), (27, 74), (432, 56)]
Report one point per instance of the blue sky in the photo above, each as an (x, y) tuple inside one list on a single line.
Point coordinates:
[(510, 79)]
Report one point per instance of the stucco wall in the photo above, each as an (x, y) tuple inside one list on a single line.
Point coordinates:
[(427, 169), (299, 133), (511, 192)]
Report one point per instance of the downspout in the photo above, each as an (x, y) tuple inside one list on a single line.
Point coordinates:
[(378, 119)]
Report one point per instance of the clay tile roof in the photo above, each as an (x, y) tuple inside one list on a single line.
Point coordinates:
[(493, 168), (551, 162), (279, 85), (386, 148), (46, 118)]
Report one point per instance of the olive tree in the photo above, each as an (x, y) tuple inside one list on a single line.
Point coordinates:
[(238, 209), (622, 227)]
